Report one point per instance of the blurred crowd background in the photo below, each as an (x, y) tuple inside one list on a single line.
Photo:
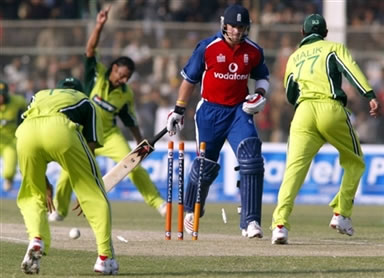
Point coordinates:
[(44, 40)]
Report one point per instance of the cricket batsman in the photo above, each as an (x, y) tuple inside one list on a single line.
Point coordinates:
[(223, 64)]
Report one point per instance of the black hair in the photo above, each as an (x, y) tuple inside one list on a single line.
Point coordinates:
[(124, 61)]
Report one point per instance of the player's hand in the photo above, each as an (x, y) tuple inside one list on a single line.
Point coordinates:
[(77, 207), (49, 197), (175, 122), (374, 108), (102, 16), (254, 103)]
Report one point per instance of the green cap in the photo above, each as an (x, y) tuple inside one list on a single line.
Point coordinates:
[(315, 23), (3, 88), (70, 83)]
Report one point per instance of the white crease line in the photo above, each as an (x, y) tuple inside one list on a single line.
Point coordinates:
[(14, 239)]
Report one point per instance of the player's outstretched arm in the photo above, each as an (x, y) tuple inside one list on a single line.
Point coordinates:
[(93, 40)]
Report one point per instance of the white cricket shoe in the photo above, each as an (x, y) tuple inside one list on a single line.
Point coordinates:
[(162, 209), (55, 217), (342, 224), (280, 235), (253, 230), (188, 222), (107, 266), (31, 261), (244, 232)]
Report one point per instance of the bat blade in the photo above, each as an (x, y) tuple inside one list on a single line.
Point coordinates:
[(130, 161), (126, 165)]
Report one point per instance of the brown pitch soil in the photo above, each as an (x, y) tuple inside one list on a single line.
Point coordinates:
[(144, 243)]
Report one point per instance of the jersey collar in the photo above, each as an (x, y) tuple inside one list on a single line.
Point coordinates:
[(221, 35), (310, 39)]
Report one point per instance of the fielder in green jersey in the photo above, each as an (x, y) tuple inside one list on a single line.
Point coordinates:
[(313, 80), (107, 89), (62, 125), (11, 108)]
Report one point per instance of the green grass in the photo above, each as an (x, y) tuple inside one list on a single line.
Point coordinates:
[(314, 249)]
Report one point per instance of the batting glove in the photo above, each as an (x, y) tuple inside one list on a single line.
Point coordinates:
[(175, 121), (254, 103)]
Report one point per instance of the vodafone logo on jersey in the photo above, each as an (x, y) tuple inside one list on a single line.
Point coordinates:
[(231, 75), (233, 67)]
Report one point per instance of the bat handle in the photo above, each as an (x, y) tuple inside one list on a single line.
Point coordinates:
[(158, 136)]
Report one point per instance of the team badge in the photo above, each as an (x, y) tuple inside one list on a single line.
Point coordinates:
[(246, 59), (220, 58), (238, 17)]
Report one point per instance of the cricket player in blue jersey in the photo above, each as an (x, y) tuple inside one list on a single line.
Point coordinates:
[(223, 63)]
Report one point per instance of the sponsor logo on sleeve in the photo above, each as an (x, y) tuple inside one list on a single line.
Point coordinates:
[(103, 104)]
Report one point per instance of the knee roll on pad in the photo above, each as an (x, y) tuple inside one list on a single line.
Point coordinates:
[(210, 172), (249, 156)]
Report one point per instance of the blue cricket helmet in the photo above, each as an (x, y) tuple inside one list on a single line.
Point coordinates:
[(236, 15)]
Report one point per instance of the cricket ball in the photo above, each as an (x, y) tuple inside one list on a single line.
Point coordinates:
[(74, 233)]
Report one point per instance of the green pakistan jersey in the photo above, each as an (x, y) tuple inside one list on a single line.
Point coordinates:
[(57, 127), (74, 104), (112, 102), (10, 117), (314, 72)]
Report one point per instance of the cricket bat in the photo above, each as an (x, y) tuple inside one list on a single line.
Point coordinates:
[(128, 163)]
